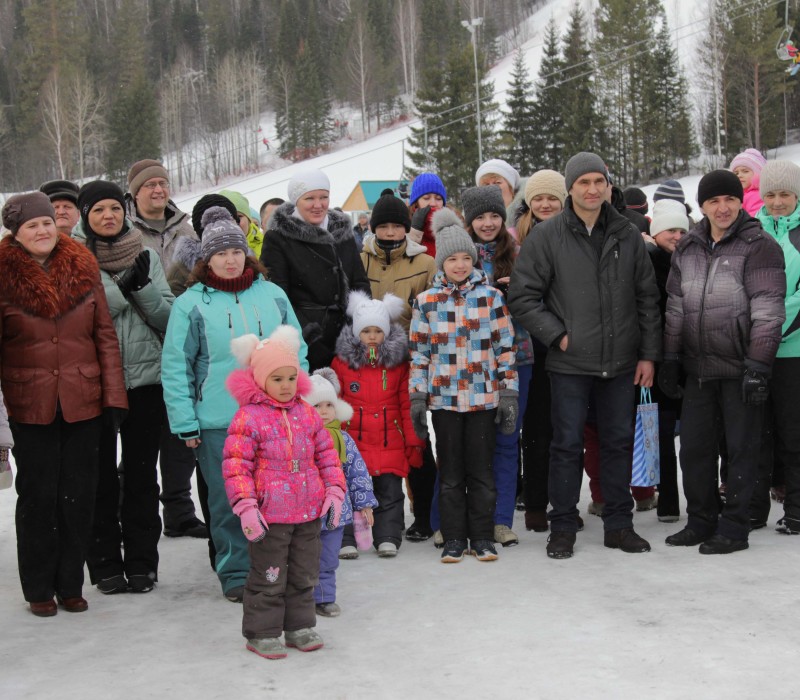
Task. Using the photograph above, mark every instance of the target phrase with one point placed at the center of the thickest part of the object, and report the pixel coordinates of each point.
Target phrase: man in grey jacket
(584, 286)
(725, 310)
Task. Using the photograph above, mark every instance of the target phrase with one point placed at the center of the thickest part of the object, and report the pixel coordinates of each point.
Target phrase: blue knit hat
(427, 183)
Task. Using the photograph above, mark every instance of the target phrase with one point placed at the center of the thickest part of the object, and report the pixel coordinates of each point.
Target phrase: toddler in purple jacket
(282, 474)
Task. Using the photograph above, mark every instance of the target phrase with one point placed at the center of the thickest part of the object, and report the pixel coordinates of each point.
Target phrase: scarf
(335, 430)
(117, 253)
(237, 284)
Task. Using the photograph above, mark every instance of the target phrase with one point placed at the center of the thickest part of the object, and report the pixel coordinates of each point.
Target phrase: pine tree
(515, 138)
(548, 115)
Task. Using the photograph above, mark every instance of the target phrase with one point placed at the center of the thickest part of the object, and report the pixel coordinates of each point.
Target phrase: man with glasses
(162, 224)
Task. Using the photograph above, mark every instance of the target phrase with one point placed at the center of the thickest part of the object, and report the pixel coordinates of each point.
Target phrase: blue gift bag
(646, 469)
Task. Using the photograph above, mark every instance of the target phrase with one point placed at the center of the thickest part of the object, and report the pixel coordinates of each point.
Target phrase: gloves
(414, 456)
(755, 387)
(332, 508)
(508, 411)
(418, 220)
(419, 414)
(668, 374)
(253, 525)
(137, 275)
(114, 417)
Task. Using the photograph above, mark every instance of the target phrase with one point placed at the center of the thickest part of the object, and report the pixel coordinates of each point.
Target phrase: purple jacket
(278, 453)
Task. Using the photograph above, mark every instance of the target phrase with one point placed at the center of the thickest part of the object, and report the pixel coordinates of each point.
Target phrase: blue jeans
(614, 401)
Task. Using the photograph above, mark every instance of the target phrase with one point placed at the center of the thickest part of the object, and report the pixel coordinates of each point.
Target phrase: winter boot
(387, 550)
(438, 539)
(348, 552)
(536, 520)
(686, 538)
(561, 544)
(788, 526)
(596, 508)
(627, 540)
(269, 648)
(74, 605)
(112, 585)
(305, 639)
(719, 544)
(647, 503)
(141, 583)
(46, 609)
(328, 609)
(505, 536)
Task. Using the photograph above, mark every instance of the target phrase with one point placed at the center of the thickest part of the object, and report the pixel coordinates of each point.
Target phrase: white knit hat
(367, 312)
(668, 214)
(496, 166)
(307, 181)
(325, 387)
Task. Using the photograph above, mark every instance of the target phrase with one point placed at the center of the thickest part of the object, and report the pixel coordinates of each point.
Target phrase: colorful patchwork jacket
(462, 345)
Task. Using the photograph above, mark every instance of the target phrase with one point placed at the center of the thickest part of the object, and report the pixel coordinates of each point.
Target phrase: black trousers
(55, 482)
(465, 445)
(138, 527)
(537, 433)
(421, 481)
(177, 465)
(704, 407)
(388, 527)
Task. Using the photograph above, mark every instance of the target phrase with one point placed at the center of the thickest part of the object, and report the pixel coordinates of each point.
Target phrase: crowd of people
(298, 360)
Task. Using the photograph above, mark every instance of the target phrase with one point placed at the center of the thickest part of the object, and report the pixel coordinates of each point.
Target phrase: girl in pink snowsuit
(747, 167)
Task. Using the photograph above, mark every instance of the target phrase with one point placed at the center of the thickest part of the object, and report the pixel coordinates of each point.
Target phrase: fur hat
(719, 183)
(141, 171)
(497, 166)
(751, 158)
(265, 356)
(23, 207)
(220, 232)
(545, 182)
(427, 183)
(670, 189)
(389, 210)
(307, 181)
(479, 200)
(367, 312)
(325, 387)
(581, 164)
(780, 175)
(61, 189)
(451, 238)
(204, 204)
(668, 214)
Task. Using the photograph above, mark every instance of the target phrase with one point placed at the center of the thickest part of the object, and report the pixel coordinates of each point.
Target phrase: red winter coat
(381, 422)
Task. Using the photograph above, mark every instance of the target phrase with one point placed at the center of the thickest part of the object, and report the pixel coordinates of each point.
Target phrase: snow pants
(330, 544)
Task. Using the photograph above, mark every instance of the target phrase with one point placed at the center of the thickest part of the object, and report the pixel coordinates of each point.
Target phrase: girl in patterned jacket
(463, 368)
(282, 474)
(359, 501)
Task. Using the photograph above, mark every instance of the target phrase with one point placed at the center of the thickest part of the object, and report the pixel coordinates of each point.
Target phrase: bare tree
(85, 122)
(406, 21)
(55, 119)
(359, 65)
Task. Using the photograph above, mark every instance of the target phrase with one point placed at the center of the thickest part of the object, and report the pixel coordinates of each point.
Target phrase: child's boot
(305, 639)
(328, 609)
(269, 648)
(505, 536)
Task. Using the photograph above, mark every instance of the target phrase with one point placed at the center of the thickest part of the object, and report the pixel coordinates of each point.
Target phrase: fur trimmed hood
(241, 384)
(340, 227)
(50, 292)
(187, 252)
(393, 352)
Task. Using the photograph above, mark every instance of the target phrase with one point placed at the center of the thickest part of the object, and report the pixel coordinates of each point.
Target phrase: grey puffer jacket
(179, 225)
(606, 305)
(725, 307)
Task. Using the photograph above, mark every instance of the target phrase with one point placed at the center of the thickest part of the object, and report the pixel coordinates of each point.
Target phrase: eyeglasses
(163, 184)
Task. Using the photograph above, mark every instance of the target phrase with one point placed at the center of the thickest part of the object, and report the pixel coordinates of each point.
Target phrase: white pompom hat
(325, 387)
(373, 312)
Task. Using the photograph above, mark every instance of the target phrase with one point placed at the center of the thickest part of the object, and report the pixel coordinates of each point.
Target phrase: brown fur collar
(49, 292)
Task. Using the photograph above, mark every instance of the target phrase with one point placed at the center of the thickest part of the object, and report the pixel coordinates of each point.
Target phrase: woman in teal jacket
(229, 296)
(123, 551)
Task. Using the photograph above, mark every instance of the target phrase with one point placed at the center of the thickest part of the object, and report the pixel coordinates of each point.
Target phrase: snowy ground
(668, 624)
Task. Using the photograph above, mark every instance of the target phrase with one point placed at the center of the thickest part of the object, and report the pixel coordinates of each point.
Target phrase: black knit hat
(206, 202)
(93, 192)
(719, 183)
(390, 210)
(636, 199)
(61, 189)
(480, 200)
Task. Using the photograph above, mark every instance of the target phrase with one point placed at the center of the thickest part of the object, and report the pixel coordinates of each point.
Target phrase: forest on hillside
(89, 86)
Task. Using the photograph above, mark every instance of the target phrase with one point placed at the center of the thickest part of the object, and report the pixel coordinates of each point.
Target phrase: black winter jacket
(316, 268)
(607, 306)
(725, 304)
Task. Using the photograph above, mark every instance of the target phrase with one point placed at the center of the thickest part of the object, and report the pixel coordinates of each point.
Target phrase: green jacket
(139, 341)
(786, 230)
(197, 356)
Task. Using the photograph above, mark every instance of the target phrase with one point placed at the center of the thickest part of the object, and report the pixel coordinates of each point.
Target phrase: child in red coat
(372, 365)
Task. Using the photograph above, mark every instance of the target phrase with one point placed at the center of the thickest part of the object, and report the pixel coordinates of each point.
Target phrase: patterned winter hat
(307, 181)
(497, 166)
(220, 232)
(751, 158)
(636, 199)
(265, 356)
(367, 312)
(451, 238)
(325, 387)
(780, 175)
(670, 189)
(545, 182)
(427, 183)
(480, 200)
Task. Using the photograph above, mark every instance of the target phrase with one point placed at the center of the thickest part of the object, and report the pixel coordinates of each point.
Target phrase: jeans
(614, 401)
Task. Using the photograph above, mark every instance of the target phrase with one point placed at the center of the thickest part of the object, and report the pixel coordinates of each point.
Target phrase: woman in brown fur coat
(61, 370)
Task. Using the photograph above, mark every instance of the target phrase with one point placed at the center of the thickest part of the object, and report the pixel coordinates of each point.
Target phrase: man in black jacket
(584, 286)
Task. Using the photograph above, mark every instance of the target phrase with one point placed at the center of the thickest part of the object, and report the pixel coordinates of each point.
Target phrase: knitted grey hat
(479, 200)
(451, 238)
(669, 189)
(220, 232)
(581, 164)
(780, 175)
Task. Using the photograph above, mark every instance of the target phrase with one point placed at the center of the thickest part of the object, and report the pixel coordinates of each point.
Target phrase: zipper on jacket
(258, 318)
(706, 289)
(360, 420)
(384, 381)
(385, 427)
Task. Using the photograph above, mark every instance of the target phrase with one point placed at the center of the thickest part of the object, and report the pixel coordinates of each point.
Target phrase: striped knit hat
(670, 189)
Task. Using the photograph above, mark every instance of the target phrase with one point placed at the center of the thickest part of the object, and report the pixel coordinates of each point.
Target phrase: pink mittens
(253, 525)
